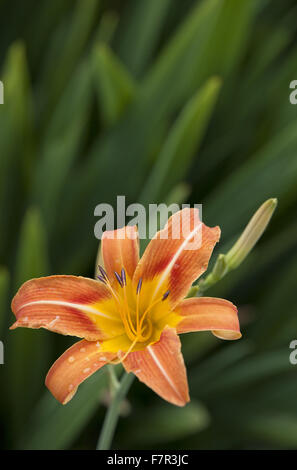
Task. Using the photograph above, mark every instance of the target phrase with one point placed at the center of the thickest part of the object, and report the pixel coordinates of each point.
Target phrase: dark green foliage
(157, 100)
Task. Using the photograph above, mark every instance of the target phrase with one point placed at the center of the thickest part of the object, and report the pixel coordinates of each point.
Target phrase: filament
(136, 330)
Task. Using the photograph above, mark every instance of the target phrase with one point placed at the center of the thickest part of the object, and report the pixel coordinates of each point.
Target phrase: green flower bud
(251, 234)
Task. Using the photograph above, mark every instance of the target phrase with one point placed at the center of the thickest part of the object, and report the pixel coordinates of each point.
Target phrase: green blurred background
(161, 101)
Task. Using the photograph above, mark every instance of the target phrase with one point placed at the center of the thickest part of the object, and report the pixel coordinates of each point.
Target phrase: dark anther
(123, 277)
(101, 278)
(119, 279)
(103, 272)
(166, 295)
(139, 286)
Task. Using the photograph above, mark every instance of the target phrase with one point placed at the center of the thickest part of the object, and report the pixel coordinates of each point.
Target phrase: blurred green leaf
(246, 242)
(62, 142)
(227, 44)
(204, 45)
(28, 349)
(185, 136)
(273, 250)
(279, 297)
(167, 83)
(173, 78)
(157, 97)
(16, 135)
(276, 428)
(136, 54)
(43, 18)
(272, 170)
(107, 27)
(195, 346)
(4, 290)
(179, 194)
(64, 51)
(265, 53)
(114, 84)
(16, 113)
(54, 426)
(32, 256)
(209, 370)
(248, 372)
(167, 423)
(60, 158)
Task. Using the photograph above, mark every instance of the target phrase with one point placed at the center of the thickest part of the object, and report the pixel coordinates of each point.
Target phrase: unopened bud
(251, 234)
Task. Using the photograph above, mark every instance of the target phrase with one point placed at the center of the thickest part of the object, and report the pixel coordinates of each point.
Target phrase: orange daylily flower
(135, 310)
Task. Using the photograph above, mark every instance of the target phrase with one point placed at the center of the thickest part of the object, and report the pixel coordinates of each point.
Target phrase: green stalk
(112, 415)
(113, 380)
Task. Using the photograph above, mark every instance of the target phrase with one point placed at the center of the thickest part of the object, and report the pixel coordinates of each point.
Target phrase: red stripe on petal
(207, 313)
(177, 255)
(64, 304)
(59, 319)
(74, 366)
(74, 289)
(161, 367)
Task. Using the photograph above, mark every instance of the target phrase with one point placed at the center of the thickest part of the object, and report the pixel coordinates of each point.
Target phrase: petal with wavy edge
(208, 313)
(74, 366)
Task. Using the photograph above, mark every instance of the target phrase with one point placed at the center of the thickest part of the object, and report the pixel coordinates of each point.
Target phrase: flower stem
(112, 414)
(113, 380)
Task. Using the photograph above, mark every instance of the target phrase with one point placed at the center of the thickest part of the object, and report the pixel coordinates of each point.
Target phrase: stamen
(147, 335)
(123, 277)
(138, 289)
(119, 279)
(121, 359)
(165, 295)
(137, 303)
(137, 326)
(123, 309)
(103, 272)
(151, 306)
(126, 304)
(101, 278)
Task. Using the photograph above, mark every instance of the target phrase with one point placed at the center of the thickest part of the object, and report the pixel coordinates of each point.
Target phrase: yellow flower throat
(138, 325)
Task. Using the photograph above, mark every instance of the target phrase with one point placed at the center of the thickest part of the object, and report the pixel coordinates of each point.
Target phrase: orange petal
(161, 367)
(177, 255)
(120, 249)
(207, 313)
(74, 366)
(68, 305)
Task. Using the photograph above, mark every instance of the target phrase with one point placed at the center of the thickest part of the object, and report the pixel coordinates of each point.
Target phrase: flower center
(138, 325)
